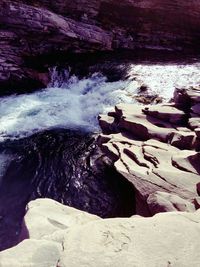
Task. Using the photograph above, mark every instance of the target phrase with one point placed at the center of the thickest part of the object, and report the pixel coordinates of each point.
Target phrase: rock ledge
(156, 148)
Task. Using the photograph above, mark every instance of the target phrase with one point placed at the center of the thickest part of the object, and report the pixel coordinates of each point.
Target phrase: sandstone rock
(165, 202)
(110, 149)
(40, 31)
(194, 122)
(187, 161)
(165, 112)
(159, 154)
(132, 119)
(159, 241)
(162, 240)
(45, 217)
(31, 29)
(182, 140)
(31, 252)
(197, 131)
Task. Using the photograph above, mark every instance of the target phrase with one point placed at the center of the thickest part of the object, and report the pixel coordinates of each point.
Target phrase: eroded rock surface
(67, 237)
(30, 29)
(156, 148)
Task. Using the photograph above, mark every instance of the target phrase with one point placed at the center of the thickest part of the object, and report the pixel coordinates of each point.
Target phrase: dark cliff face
(32, 28)
(165, 23)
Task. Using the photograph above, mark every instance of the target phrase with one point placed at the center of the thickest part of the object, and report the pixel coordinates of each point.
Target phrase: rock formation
(30, 29)
(156, 148)
(65, 237)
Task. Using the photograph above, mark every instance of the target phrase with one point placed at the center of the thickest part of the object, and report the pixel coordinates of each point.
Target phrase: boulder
(44, 218)
(166, 239)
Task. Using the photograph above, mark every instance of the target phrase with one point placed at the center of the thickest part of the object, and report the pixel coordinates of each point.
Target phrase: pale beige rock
(166, 159)
(166, 112)
(32, 253)
(45, 217)
(122, 137)
(194, 122)
(166, 239)
(132, 119)
(182, 139)
(187, 160)
(169, 239)
(150, 168)
(165, 202)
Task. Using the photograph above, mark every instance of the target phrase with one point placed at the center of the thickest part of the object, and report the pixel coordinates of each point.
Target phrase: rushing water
(48, 147)
(74, 103)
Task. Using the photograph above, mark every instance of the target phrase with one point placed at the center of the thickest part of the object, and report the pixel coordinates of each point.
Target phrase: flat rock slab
(164, 157)
(166, 239)
(166, 112)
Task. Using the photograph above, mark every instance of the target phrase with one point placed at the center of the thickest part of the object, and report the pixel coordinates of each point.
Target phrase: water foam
(163, 79)
(72, 103)
(75, 104)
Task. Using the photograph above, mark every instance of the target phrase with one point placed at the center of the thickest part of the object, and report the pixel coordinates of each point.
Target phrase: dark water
(63, 165)
(67, 165)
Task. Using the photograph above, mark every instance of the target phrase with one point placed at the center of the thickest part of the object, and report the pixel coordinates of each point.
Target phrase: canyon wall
(32, 28)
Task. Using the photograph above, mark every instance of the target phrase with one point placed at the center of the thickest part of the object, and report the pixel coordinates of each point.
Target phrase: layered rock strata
(156, 148)
(57, 235)
(29, 29)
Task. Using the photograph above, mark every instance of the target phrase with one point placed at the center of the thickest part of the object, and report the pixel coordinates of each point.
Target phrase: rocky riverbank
(32, 29)
(156, 148)
(65, 237)
(145, 164)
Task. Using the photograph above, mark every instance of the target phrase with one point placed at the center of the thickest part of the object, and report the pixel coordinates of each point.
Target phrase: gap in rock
(63, 165)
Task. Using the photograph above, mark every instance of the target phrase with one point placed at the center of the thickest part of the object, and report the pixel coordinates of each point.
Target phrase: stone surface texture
(66, 237)
(33, 28)
(156, 148)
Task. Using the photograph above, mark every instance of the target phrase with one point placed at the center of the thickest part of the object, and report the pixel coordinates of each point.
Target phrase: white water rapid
(73, 103)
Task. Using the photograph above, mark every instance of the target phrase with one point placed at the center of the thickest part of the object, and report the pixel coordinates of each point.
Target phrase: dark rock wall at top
(34, 27)
(166, 23)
